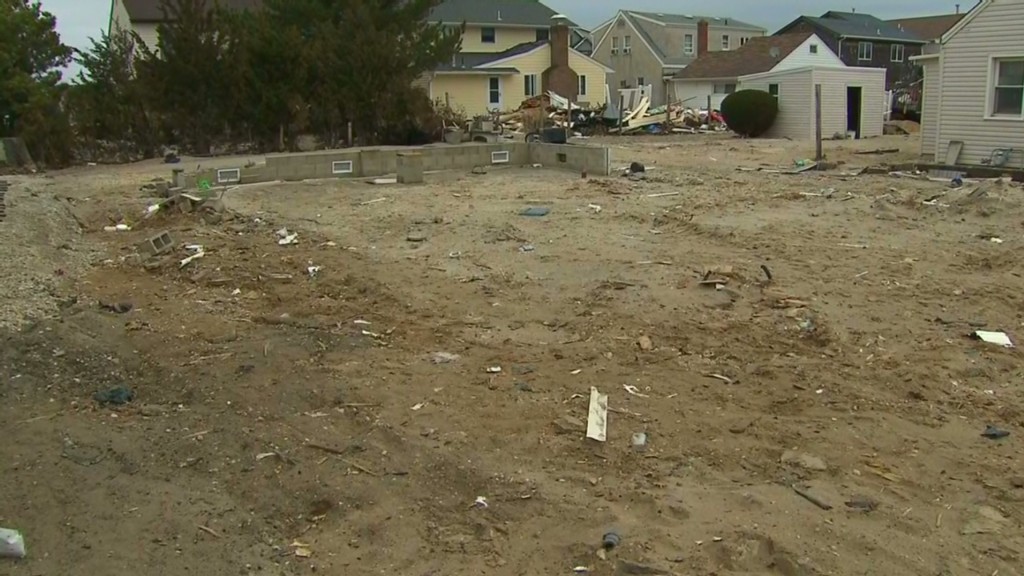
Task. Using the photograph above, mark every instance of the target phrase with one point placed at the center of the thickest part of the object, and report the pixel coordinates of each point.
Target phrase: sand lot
(291, 414)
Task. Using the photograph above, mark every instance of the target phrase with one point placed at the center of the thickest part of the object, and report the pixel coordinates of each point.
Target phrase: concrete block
(156, 245)
(409, 168)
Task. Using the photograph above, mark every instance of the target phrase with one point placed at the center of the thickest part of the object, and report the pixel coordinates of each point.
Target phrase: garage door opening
(854, 96)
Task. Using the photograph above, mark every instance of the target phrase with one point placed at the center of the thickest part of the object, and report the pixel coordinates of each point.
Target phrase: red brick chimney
(702, 38)
(559, 77)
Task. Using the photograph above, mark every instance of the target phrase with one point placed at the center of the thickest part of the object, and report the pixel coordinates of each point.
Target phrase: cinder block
(156, 245)
(410, 167)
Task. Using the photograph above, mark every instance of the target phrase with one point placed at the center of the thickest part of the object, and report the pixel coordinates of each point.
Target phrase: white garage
(853, 100)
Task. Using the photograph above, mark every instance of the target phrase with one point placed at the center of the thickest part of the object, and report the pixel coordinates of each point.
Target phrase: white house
(716, 74)
(973, 97)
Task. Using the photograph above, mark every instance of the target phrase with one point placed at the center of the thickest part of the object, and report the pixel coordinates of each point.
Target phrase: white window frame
(990, 97)
(860, 51)
(812, 49)
(776, 90)
(743, 40)
(725, 41)
(229, 175)
(615, 44)
(494, 35)
(341, 167)
(723, 88)
(627, 44)
(500, 157)
(688, 41)
(897, 53)
(581, 85)
(530, 86)
(640, 82)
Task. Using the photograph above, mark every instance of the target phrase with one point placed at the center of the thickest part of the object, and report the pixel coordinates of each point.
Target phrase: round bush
(750, 112)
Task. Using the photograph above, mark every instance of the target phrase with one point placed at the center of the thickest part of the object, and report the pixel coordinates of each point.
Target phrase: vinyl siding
(930, 107)
(504, 38)
(802, 57)
(466, 93)
(833, 99)
(694, 94)
(148, 33)
(119, 18)
(796, 103)
(966, 58)
(639, 63)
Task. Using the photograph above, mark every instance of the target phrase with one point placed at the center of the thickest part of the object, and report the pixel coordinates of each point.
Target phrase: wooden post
(622, 102)
(350, 134)
(818, 156)
(668, 109)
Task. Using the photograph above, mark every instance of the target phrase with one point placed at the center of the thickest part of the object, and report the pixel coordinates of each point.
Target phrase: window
(743, 40)
(530, 85)
(543, 34)
(864, 50)
(494, 91)
(813, 48)
(487, 35)
(640, 82)
(773, 89)
(725, 41)
(583, 86)
(1008, 87)
(725, 88)
(626, 41)
(896, 53)
(623, 84)
(615, 44)
(688, 44)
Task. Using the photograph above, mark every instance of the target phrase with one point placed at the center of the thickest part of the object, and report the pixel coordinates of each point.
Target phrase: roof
(971, 15)
(928, 27)
(862, 26)
(691, 20)
(470, 60)
(151, 11)
(497, 12)
(646, 23)
(759, 54)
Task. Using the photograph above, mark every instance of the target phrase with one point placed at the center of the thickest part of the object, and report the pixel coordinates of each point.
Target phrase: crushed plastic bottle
(12, 544)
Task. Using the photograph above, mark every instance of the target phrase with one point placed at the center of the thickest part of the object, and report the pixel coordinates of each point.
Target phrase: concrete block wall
(375, 162)
(595, 160)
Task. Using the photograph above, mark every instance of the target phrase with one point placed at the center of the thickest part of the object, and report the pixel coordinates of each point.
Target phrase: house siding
(930, 107)
(504, 38)
(469, 92)
(147, 32)
(641, 62)
(801, 57)
(996, 30)
(796, 103)
(119, 19)
(833, 100)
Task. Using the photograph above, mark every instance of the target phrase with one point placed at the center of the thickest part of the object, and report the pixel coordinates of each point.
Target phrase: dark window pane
(543, 34)
(1011, 73)
(1009, 101)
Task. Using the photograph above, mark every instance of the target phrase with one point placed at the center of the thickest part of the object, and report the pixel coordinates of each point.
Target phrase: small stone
(645, 343)
(862, 503)
(569, 425)
(1017, 481)
(416, 237)
(805, 461)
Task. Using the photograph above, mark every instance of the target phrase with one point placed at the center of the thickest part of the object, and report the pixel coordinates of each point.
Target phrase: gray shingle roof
(851, 25)
(693, 19)
(151, 11)
(470, 60)
(497, 12)
(678, 59)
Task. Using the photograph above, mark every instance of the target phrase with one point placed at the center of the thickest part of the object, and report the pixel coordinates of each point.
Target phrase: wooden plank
(953, 152)
(597, 416)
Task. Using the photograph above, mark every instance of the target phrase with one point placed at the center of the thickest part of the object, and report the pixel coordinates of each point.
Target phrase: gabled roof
(645, 23)
(928, 27)
(759, 54)
(476, 61)
(859, 26)
(971, 15)
(151, 11)
(495, 12)
(691, 20)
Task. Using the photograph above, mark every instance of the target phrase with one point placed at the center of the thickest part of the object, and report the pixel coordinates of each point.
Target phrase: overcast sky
(77, 20)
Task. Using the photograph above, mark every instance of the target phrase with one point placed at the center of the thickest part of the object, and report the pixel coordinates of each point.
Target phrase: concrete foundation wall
(374, 162)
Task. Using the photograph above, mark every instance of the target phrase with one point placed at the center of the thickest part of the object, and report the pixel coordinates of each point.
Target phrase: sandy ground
(289, 423)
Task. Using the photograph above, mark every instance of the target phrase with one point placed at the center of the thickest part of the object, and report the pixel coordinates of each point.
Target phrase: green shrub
(750, 112)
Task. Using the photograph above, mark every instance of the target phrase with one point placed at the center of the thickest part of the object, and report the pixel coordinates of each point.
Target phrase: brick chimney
(702, 38)
(559, 77)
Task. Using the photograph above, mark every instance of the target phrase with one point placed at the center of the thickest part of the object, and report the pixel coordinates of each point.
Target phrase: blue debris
(536, 211)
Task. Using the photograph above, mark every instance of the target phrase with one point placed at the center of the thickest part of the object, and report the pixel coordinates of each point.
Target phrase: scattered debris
(285, 237)
(189, 259)
(416, 237)
(301, 550)
(645, 343)
(767, 272)
(12, 544)
(805, 461)
(480, 502)
(117, 396)
(374, 201)
(535, 211)
(417, 407)
(526, 248)
(118, 228)
(803, 493)
(879, 151)
(610, 540)
(999, 338)
(494, 370)
(639, 441)
(597, 416)
(444, 358)
(725, 379)
(116, 307)
(313, 270)
(595, 207)
(862, 503)
(634, 390)
(993, 433)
